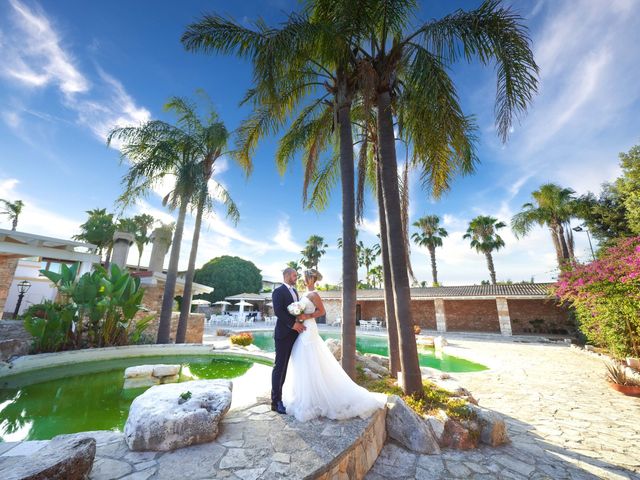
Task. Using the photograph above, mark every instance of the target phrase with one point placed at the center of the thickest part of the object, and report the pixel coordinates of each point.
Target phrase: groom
(285, 334)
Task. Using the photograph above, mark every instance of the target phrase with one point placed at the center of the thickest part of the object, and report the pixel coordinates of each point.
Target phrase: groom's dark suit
(284, 336)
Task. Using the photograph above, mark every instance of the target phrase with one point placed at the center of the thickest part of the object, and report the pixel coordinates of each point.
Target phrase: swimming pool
(428, 357)
(89, 396)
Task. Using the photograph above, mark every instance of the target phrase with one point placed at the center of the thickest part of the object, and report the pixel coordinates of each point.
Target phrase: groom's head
(289, 275)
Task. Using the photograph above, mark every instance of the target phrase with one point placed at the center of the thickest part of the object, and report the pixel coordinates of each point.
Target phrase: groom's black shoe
(278, 407)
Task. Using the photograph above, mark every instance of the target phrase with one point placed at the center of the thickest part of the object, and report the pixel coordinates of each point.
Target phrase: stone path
(253, 443)
(565, 422)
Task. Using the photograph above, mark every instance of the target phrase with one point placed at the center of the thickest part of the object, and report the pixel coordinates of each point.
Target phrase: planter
(630, 390)
(633, 363)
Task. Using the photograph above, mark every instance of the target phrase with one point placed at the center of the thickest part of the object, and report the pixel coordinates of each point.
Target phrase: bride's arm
(320, 311)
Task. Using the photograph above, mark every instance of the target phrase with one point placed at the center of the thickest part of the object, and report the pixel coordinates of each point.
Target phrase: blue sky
(71, 70)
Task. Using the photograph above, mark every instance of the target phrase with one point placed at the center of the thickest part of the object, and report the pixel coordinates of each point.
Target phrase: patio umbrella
(223, 303)
(200, 301)
(243, 304)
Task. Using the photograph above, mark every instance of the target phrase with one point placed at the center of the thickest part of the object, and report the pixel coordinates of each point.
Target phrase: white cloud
(283, 240)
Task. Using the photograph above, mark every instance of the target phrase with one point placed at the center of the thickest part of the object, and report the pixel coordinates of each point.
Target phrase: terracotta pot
(633, 363)
(631, 390)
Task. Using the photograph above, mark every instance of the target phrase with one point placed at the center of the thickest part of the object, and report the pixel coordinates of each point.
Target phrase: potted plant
(617, 377)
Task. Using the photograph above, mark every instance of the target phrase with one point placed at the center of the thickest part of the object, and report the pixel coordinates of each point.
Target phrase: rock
(457, 436)
(451, 386)
(408, 428)
(370, 374)
(372, 365)
(335, 346)
(590, 348)
(140, 382)
(139, 371)
(437, 424)
(158, 422)
(170, 379)
(493, 430)
(13, 348)
(165, 370)
(379, 359)
(440, 342)
(426, 342)
(61, 459)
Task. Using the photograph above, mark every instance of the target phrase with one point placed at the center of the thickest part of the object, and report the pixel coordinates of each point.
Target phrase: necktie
(294, 294)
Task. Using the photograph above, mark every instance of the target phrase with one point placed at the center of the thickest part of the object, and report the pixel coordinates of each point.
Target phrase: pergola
(15, 245)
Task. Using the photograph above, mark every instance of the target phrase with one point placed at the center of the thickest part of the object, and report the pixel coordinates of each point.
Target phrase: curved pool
(428, 357)
(89, 396)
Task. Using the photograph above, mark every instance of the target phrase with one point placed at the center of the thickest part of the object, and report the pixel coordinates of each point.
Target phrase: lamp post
(23, 287)
(580, 229)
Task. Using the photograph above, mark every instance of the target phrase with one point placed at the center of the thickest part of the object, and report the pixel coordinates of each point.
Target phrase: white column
(441, 318)
(85, 267)
(503, 316)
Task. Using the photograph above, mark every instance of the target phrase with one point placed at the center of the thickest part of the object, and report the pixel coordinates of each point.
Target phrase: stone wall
(7, 270)
(333, 309)
(472, 315)
(372, 308)
(540, 316)
(424, 313)
(14, 339)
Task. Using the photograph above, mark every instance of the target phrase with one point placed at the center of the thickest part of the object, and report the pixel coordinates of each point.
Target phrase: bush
(606, 297)
(98, 309)
(242, 339)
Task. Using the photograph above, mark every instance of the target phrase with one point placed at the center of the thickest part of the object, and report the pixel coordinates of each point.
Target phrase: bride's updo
(312, 273)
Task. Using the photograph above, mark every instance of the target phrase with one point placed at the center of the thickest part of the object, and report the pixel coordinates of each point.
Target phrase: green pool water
(89, 396)
(375, 344)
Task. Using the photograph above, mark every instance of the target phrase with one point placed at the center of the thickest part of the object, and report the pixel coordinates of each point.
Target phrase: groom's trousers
(283, 352)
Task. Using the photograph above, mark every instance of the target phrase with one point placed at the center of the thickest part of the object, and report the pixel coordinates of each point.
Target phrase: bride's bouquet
(297, 308)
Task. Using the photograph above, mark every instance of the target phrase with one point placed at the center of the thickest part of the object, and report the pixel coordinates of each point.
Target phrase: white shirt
(293, 293)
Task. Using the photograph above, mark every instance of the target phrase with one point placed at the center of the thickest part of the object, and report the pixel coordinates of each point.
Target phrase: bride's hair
(312, 273)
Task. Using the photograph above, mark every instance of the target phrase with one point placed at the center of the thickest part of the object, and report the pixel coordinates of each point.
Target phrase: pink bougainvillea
(606, 296)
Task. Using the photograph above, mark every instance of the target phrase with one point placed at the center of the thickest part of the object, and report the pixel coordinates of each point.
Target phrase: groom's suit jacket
(281, 299)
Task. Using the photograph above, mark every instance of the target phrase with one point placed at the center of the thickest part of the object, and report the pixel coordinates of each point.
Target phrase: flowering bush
(242, 339)
(606, 297)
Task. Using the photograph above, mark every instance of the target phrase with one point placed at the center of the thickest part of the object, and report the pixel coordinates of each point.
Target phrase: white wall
(41, 288)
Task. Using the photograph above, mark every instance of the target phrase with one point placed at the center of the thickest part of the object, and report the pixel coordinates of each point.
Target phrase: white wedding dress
(317, 386)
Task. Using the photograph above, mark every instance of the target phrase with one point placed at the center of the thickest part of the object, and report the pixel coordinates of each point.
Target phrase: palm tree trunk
(434, 270)
(492, 270)
(14, 224)
(556, 244)
(412, 377)
(185, 308)
(107, 262)
(563, 242)
(570, 242)
(349, 259)
(164, 328)
(389, 308)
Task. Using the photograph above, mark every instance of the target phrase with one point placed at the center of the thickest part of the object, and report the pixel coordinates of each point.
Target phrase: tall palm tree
(157, 149)
(206, 138)
(409, 76)
(367, 256)
(313, 251)
(552, 206)
(13, 211)
(484, 238)
(98, 230)
(430, 236)
(307, 60)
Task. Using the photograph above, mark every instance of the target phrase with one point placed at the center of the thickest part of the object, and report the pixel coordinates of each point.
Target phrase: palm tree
(430, 236)
(377, 276)
(13, 211)
(484, 238)
(144, 223)
(291, 65)
(157, 149)
(206, 138)
(552, 206)
(313, 251)
(366, 257)
(98, 230)
(409, 76)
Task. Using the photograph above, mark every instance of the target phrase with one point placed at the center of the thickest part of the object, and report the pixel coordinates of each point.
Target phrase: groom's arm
(280, 309)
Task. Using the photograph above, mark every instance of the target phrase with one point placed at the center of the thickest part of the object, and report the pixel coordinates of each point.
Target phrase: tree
(629, 187)
(206, 139)
(229, 276)
(144, 223)
(552, 206)
(313, 251)
(290, 63)
(366, 257)
(13, 211)
(605, 216)
(430, 236)
(377, 276)
(98, 230)
(157, 149)
(484, 238)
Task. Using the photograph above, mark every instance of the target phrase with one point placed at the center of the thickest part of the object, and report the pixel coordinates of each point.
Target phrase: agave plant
(616, 373)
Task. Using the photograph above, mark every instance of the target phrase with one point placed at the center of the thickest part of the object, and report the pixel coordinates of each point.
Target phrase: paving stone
(141, 475)
(194, 462)
(107, 468)
(144, 465)
(249, 473)
(281, 457)
(235, 457)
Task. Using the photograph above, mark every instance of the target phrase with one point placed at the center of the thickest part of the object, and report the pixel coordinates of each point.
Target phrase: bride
(316, 385)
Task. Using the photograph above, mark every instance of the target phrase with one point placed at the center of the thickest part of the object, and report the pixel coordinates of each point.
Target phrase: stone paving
(565, 422)
(254, 443)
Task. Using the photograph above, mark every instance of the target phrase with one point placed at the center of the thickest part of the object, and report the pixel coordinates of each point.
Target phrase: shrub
(99, 309)
(417, 329)
(606, 297)
(242, 339)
